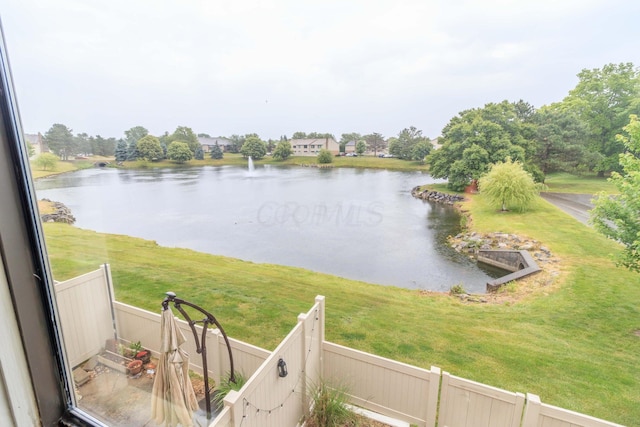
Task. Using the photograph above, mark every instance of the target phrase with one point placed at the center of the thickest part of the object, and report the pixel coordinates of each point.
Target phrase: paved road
(576, 205)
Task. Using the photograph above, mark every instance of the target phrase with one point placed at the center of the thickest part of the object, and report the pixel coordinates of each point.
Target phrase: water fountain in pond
(250, 166)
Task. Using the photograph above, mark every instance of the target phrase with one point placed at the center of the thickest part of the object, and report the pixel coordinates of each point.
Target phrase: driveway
(576, 205)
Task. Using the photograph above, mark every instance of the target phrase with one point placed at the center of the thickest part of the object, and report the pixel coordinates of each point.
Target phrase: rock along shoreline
(436, 196)
(61, 213)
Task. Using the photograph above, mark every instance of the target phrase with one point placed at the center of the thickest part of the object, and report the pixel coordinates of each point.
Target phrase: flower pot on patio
(144, 356)
(134, 367)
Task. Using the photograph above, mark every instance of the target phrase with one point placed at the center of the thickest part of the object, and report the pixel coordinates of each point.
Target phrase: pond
(356, 223)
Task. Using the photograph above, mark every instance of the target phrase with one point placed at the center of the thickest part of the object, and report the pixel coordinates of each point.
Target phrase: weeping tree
(618, 217)
(507, 184)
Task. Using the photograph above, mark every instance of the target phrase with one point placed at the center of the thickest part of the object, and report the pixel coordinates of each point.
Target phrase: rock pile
(436, 196)
(61, 213)
(469, 243)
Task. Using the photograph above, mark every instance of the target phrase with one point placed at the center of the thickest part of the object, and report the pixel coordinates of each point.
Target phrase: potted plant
(134, 367)
(144, 356)
(224, 388)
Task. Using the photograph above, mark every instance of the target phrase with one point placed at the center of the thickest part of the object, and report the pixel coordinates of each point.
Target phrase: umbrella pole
(201, 344)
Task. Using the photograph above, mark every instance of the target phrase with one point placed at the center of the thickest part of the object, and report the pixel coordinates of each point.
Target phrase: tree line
(577, 134)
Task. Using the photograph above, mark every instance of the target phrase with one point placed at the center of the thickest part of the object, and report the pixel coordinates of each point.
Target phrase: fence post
(531, 411)
(434, 392)
(320, 302)
(518, 412)
(303, 374)
(106, 270)
(231, 400)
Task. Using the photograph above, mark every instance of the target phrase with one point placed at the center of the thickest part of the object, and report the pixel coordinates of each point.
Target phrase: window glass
(144, 162)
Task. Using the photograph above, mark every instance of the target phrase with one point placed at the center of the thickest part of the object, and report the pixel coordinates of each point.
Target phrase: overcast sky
(276, 67)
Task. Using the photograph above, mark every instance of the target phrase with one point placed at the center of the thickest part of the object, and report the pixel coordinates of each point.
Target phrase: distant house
(311, 147)
(37, 142)
(350, 147)
(208, 143)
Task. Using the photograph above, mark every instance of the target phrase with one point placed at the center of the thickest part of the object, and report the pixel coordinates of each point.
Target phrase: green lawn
(61, 167)
(574, 342)
(587, 184)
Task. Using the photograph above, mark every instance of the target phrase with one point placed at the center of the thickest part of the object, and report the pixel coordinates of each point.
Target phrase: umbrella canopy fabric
(173, 399)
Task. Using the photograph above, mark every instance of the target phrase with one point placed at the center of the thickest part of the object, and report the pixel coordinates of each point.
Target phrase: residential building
(208, 143)
(37, 142)
(350, 147)
(311, 147)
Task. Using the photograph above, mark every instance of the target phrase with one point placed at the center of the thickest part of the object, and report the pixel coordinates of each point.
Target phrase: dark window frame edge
(27, 270)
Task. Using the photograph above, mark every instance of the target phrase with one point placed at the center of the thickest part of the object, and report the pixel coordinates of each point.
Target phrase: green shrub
(457, 289)
(324, 156)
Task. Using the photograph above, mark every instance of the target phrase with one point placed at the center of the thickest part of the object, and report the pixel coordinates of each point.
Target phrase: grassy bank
(369, 162)
(586, 184)
(63, 167)
(574, 342)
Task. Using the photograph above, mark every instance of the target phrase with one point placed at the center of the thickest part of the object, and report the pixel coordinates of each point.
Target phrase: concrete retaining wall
(520, 263)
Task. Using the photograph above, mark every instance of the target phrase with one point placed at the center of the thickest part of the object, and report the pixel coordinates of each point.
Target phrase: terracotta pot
(134, 367)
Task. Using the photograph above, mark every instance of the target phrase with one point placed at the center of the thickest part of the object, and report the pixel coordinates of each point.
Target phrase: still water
(354, 223)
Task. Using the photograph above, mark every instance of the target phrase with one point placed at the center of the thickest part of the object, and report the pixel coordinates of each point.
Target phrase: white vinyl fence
(84, 308)
(425, 398)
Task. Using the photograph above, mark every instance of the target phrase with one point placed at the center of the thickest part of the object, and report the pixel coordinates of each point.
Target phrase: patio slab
(122, 401)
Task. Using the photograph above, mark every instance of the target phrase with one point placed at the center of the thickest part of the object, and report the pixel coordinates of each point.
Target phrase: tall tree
(299, 135)
(271, 145)
(149, 148)
(134, 134)
(604, 98)
(254, 147)
(560, 141)
(103, 147)
(283, 150)
(179, 152)
(132, 151)
(199, 154)
(618, 217)
(475, 138)
(361, 147)
(216, 152)
(60, 140)
(403, 146)
(236, 143)
(185, 134)
(421, 150)
(320, 135)
(83, 143)
(375, 142)
(121, 152)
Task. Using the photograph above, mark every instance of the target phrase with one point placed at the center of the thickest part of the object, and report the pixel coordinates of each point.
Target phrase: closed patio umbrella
(173, 399)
